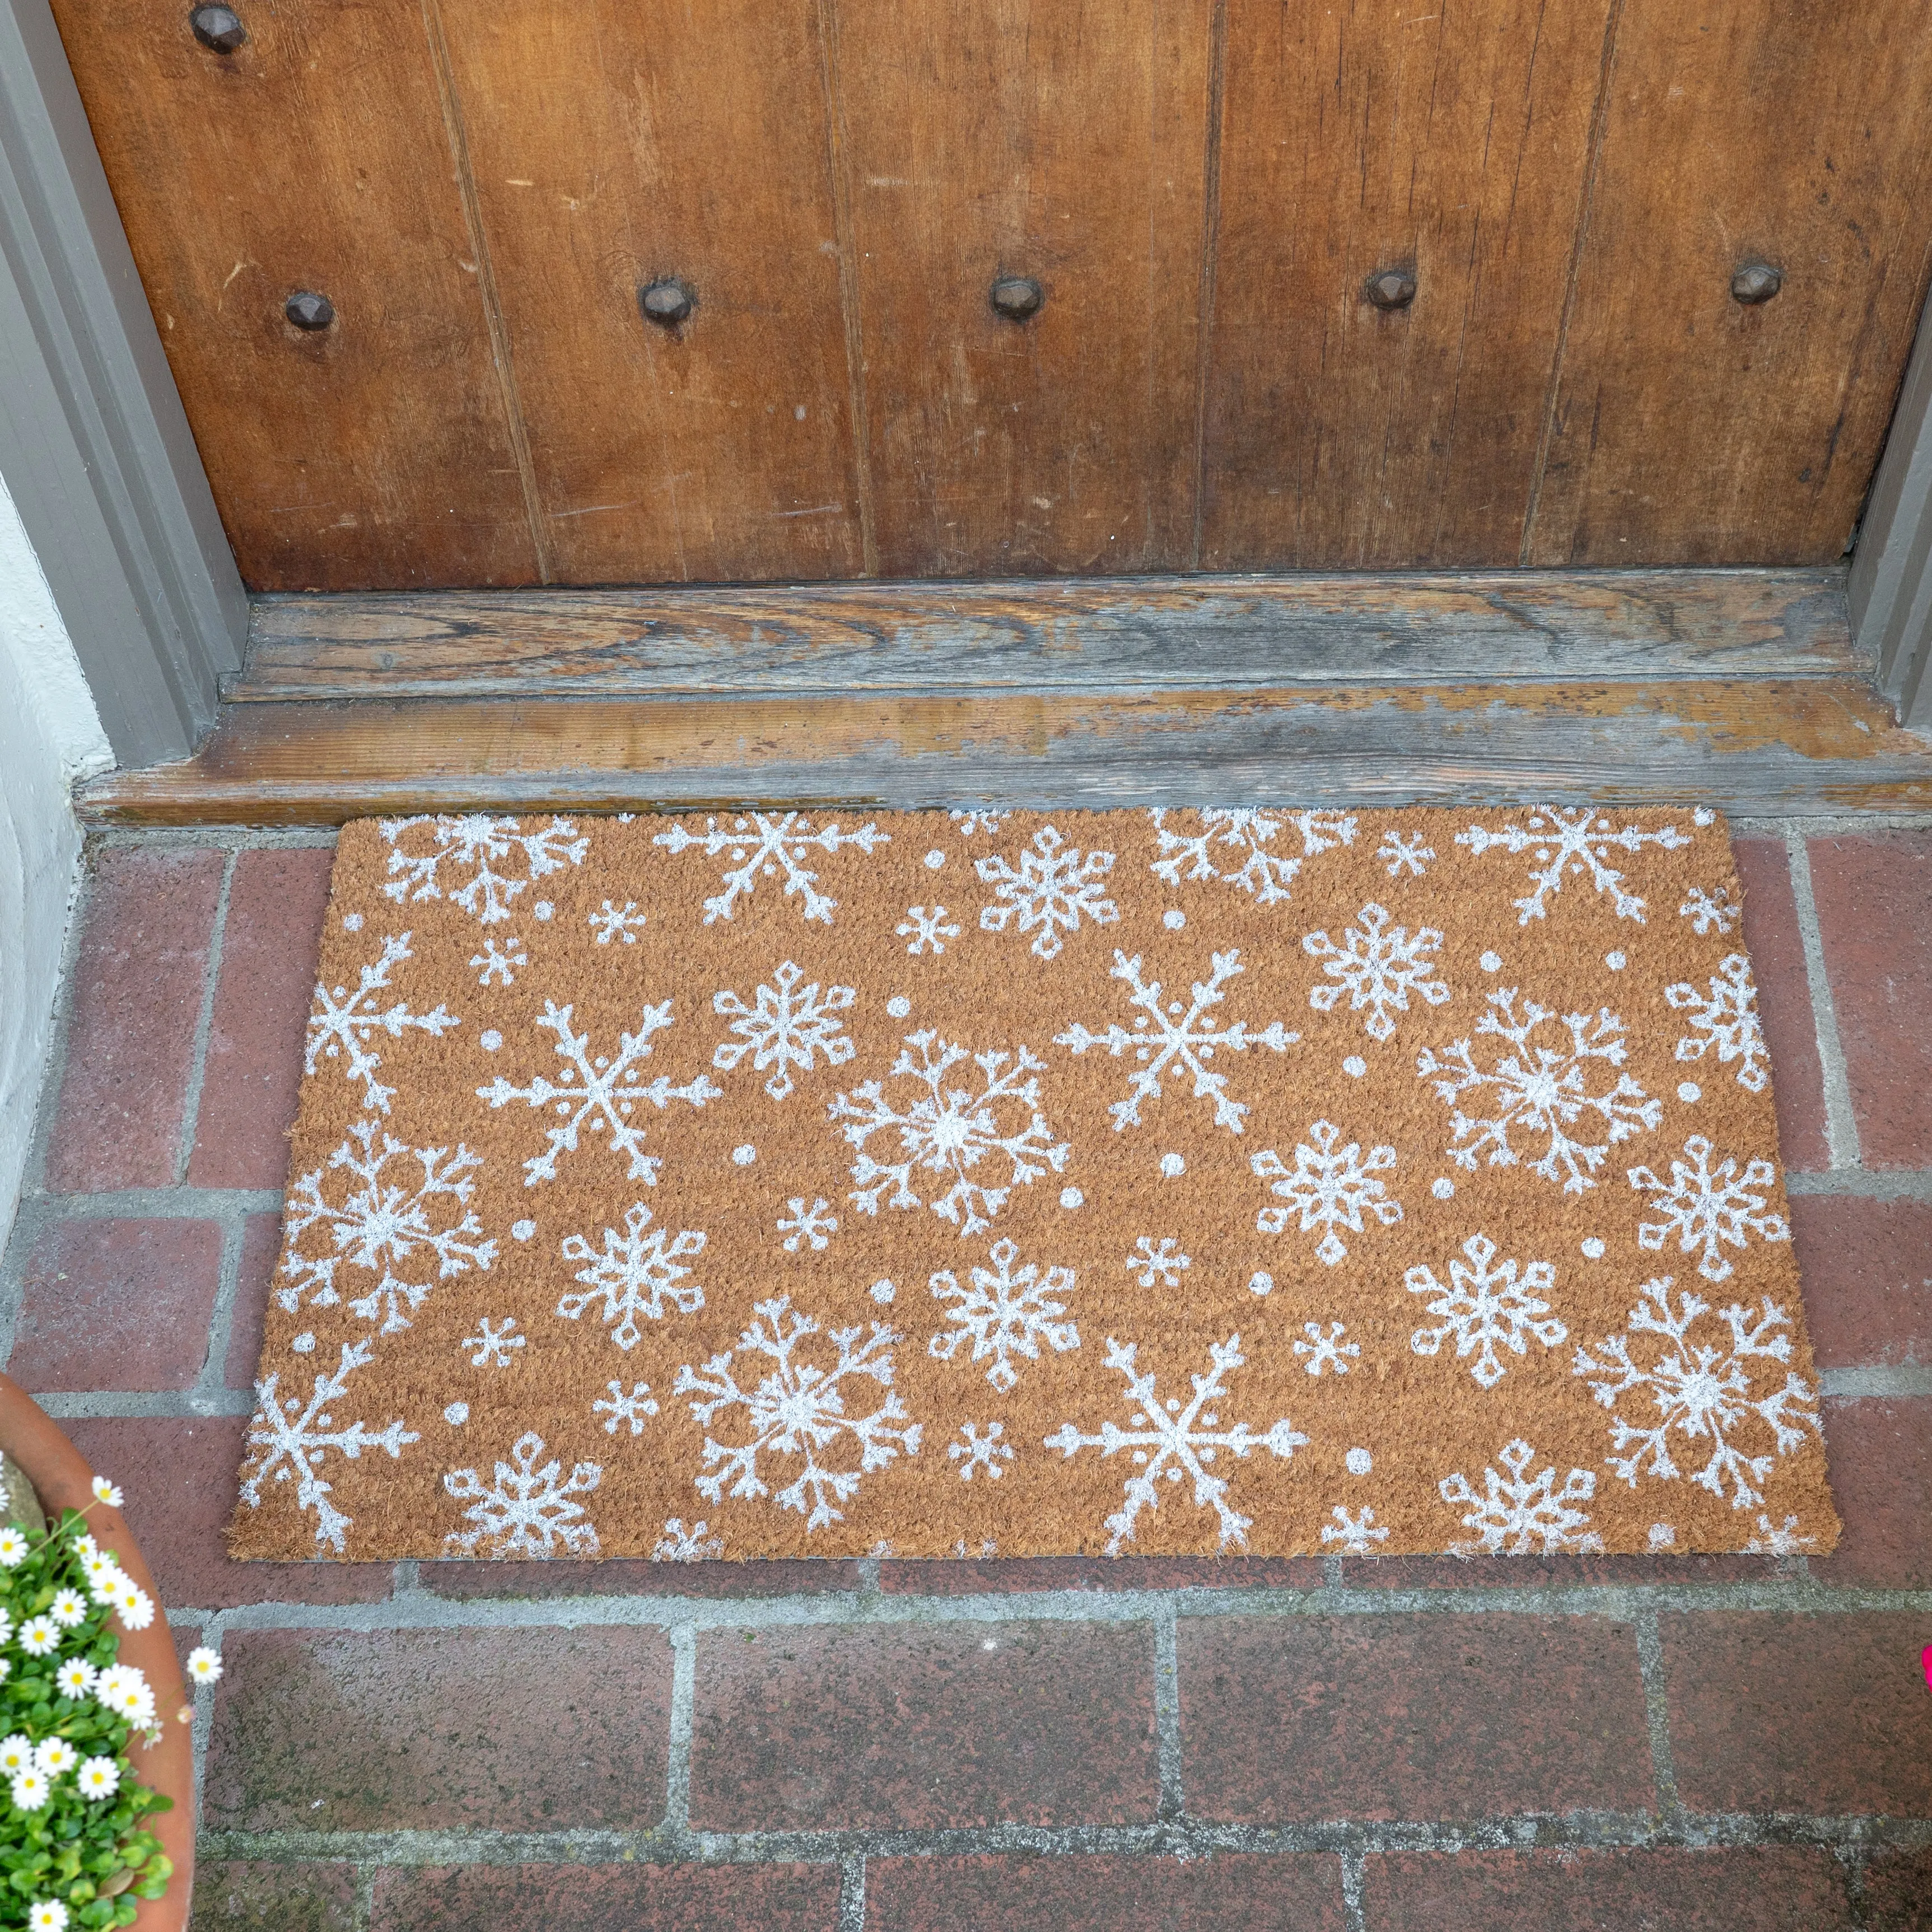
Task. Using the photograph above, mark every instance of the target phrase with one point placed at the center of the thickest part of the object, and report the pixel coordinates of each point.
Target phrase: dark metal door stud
(1391, 288)
(218, 28)
(1016, 297)
(308, 311)
(1756, 282)
(667, 303)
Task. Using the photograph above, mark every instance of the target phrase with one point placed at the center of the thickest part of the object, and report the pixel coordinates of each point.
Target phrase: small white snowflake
(1263, 873)
(1357, 1534)
(497, 960)
(623, 922)
(1486, 1305)
(1325, 1352)
(1404, 852)
(1163, 1262)
(976, 1451)
(1782, 1540)
(1708, 1208)
(1181, 1037)
(924, 926)
(530, 1509)
(1330, 1186)
(812, 1225)
(1728, 1021)
(491, 1346)
(786, 1026)
(765, 845)
(1706, 913)
(1378, 969)
(679, 1545)
(479, 842)
(343, 1023)
(1006, 1311)
(1577, 841)
(621, 1408)
(636, 1275)
(1050, 889)
(1520, 1514)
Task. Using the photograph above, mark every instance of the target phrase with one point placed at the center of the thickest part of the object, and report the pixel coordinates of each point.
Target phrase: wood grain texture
(1371, 134)
(1175, 633)
(1688, 428)
(616, 142)
(1060, 139)
(377, 452)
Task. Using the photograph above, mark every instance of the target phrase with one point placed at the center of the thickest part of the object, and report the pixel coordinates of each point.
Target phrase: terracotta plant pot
(62, 1480)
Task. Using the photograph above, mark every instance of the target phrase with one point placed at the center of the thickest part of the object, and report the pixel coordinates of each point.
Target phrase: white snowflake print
(1783, 1540)
(1378, 969)
(924, 926)
(1404, 853)
(1181, 1037)
(1325, 1352)
(1708, 912)
(620, 1408)
(679, 1545)
(787, 1026)
(1050, 890)
(1705, 1383)
(800, 1409)
(636, 1275)
(1728, 1021)
(968, 823)
(290, 1437)
(1539, 1089)
(1164, 1439)
(1263, 873)
(1007, 1310)
(529, 1511)
(764, 845)
(1520, 1514)
(948, 1130)
(623, 922)
(1577, 841)
(380, 1223)
(1357, 1534)
(1708, 1208)
(343, 1023)
(497, 960)
(812, 1225)
(975, 1451)
(1485, 1305)
(1329, 1186)
(478, 842)
(600, 1090)
(1162, 1262)
(490, 1347)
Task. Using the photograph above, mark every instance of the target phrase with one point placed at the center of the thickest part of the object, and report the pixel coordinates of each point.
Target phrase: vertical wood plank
(377, 452)
(1689, 428)
(1449, 140)
(616, 142)
(1060, 139)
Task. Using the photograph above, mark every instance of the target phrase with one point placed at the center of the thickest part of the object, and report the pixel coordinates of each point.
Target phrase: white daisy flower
(102, 1568)
(17, 1754)
(6, 1626)
(86, 1545)
(39, 1637)
(125, 1692)
(135, 1606)
(75, 1677)
(54, 1756)
(30, 1789)
(105, 1492)
(14, 1547)
(47, 1915)
(204, 1665)
(69, 1608)
(100, 1777)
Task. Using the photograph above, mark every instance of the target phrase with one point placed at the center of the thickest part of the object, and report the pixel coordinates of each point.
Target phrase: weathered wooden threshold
(1739, 687)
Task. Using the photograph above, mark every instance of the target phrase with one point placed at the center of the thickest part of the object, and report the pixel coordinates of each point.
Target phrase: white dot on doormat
(1174, 919)
(303, 1343)
(883, 1291)
(352, 922)
(1360, 1462)
(1689, 1090)
(457, 1414)
(898, 1006)
(1663, 1536)
(1442, 1189)
(1071, 1197)
(1260, 1283)
(1615, 961)
(490, 1040)
(1703, 815)
(1593, 1249)
(1355, 1067)
(1172, 1165)
(543, 909)
(743, 1156)
(522, 1230)
(934, 860)
(1491, 962)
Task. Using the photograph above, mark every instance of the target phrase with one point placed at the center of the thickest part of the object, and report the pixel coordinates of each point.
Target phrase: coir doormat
(780, 1183)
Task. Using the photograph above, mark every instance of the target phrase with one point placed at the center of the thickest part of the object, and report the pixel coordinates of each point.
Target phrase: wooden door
(1551, 198)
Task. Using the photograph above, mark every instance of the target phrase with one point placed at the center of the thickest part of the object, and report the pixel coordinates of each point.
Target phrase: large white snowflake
(798, 1407)
(1163, 1437)
(636, 1275)
(386, 1227)
(1181, 1037)
(1540, 1089)
(1483, 1306)
(290, 1437)
(787, 1025)
(1263, 872)
(942, 1129)
(479, 842)
(1727, 1019)
(765, 845)
(599, 1090)
(1007, 1310)
(1576, 841)
(343, 1023)
(1049, 890)
(529, 1511)
(1708, 1208)
(1520, 1514)
(1378, 969)
(1705, 1387)
(1329, 1186)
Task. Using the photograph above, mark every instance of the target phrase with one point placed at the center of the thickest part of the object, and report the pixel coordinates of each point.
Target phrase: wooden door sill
(1737, 687)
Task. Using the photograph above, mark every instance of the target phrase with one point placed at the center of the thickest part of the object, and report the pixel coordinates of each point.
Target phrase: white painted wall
(50, 736)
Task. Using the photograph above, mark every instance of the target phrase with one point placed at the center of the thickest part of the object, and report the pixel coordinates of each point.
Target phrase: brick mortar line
(362, 1910)
(1904, 1183)
(178, 1202)
(204, 1397)
(204, 1023)
(209, 838)
(1841, 1131)
(1352, 1912)
(212, 1382)
(852, 1892)
(683, 1709)
(1167, 1713)
(1656, 1717)
(1826, 824)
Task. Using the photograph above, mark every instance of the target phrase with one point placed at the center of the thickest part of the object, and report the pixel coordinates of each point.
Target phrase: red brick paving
(1566, 1570)
(950, 1724)
(1898, 1890)
(252, 1896)
(1879, 1451)
(507, 1730)
(608, 1898)
(1231, 1892)
(1777, 950)
(118, 1304)
(973, 1575)
(466, 1582)
(1867, 1270)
